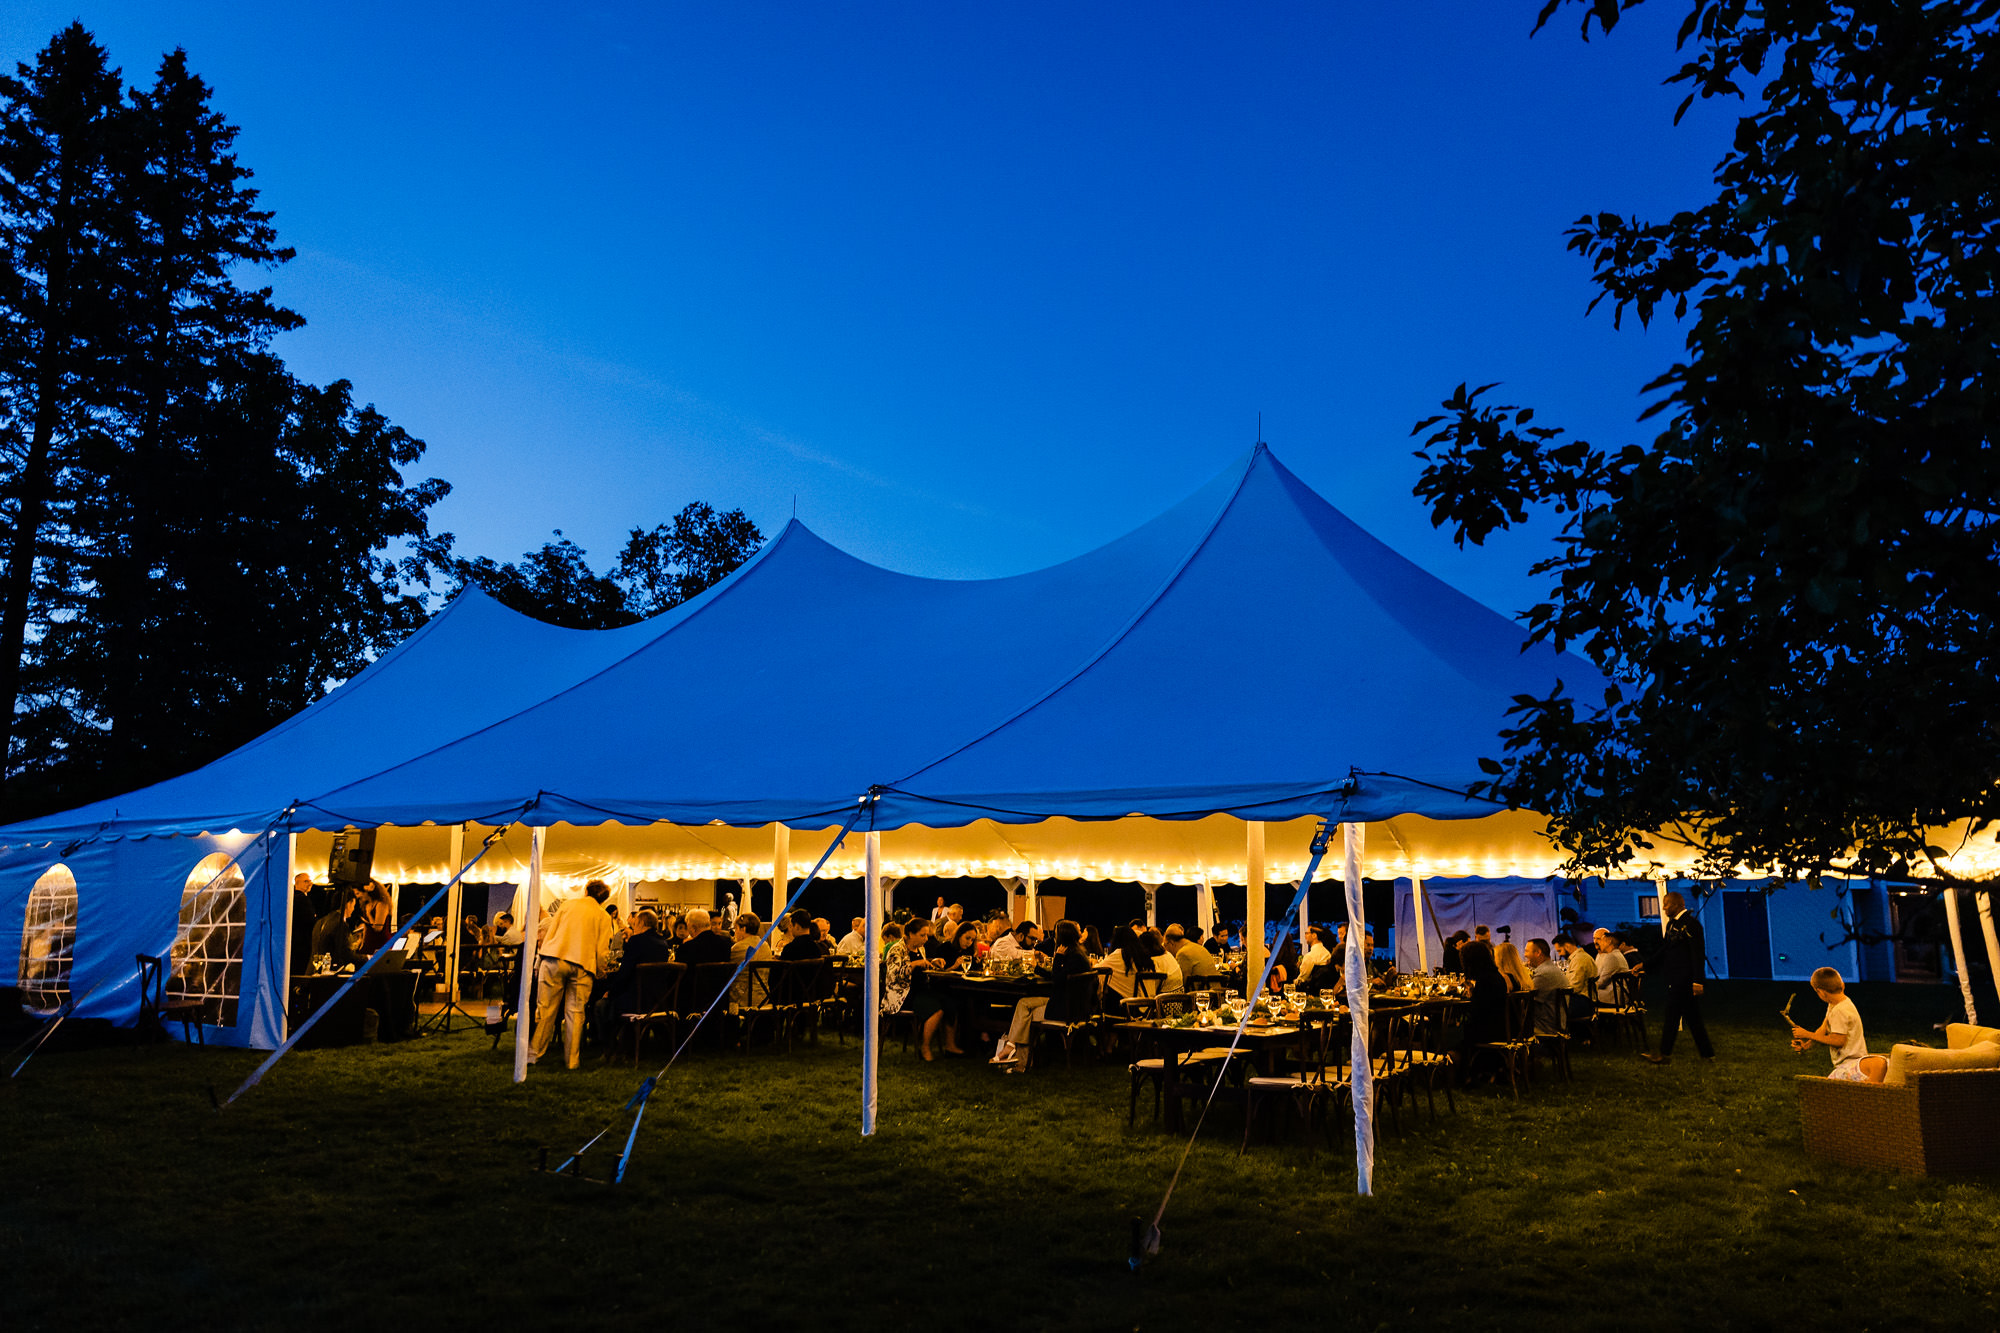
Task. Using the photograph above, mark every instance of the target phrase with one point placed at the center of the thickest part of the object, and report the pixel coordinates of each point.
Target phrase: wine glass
(1201, 1000)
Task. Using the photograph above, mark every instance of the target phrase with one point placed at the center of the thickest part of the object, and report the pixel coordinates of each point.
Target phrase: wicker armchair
(1938, 1123)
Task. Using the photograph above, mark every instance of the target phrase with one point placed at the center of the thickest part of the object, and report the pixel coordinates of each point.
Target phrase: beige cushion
(1958, 1036)
(1905, 1061)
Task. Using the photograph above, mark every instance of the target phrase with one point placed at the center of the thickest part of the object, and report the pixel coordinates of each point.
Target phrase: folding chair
(157, 1008)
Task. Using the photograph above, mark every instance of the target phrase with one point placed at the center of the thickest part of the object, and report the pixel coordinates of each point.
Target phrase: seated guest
(1481, 934)
(1319, 966)
(1610, 963)
(618, 933)
(1195, 961)
(912, 955)
(748, 931)
(643, 944)
(1508, 959)
(1631, 952)
(677, 928)
(946, 926)
(1454, 948)
(1020, 941)
(1093, 944)
(1068, 960)
(1163, 962)
(1840, 1031)
(1285, 960)
(339, 934)
(962, 951)
(702, 944)
(855, 941)
(1486, 1015)
(823, 932)
(801, 947)
(1579, 972)
(1550, 983)
(747, 934)
(900, 965)
(1126, 961)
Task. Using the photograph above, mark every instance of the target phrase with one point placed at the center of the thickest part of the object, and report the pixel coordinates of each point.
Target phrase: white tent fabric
(1516, 910)
(1252, 652)
(1250, 655)
(475, 663)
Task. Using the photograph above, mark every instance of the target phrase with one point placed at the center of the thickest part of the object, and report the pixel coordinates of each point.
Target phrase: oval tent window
(48, 941)
(208, 952)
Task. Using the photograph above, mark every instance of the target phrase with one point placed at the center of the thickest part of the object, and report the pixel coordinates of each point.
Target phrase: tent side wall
(167, 897)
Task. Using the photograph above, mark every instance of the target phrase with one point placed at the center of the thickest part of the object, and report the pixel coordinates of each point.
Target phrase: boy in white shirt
(1841, 1031)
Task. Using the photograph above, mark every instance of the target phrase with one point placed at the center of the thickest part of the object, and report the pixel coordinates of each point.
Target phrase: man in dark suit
(643, 944)
(702, 945)
(1680, 963)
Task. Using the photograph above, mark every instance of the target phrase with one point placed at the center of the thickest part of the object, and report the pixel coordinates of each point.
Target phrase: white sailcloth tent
(1182, 705)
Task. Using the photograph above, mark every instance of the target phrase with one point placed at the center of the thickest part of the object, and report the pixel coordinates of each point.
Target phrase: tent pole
(531, 916)
(1423, 935)
(291, 901)
(1361, 1067)
(1253, 911)
(871, 981)
(1958, 952)
(781, 868)
(1034, 901)
(454, 912)
(1204, 911)
(1152, 905)
(1305, 918)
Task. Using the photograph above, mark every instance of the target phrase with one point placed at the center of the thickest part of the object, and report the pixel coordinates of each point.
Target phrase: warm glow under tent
(1209, 684)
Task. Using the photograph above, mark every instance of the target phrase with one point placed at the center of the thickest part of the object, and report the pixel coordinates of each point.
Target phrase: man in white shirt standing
(574, 949)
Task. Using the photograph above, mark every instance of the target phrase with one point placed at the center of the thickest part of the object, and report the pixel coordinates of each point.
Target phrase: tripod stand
(440, 1022)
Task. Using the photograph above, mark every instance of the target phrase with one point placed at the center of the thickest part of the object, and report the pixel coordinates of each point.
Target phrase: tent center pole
(454, 914)
(1253, 906)
(871, 981)
(781, 869)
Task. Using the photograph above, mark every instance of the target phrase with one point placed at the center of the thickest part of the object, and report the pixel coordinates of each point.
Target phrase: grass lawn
(377, 1186)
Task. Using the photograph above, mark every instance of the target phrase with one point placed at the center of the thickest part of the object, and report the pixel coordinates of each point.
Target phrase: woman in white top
(1126, 960)
(1162, 962)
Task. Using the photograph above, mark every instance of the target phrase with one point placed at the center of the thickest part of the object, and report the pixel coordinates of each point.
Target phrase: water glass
(1201, 999)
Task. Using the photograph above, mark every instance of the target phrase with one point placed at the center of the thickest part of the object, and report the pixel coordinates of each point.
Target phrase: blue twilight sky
(981, 286)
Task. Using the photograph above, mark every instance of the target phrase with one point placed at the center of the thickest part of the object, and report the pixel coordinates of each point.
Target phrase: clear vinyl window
(48, 941)
(208, 953)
